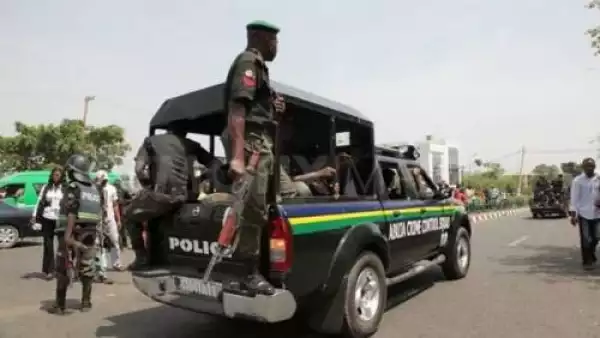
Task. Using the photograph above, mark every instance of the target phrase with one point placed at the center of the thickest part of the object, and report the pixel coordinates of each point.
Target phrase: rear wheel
(366, 296)
(458, 256)
(9, 236)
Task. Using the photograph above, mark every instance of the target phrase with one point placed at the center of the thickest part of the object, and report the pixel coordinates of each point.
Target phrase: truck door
(433, 212)
(401, 208)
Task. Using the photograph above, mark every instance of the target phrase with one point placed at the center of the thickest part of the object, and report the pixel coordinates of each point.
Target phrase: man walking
(111, 216)
(584, 212)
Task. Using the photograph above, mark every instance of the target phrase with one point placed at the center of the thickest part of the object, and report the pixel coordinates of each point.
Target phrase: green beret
(261, 25)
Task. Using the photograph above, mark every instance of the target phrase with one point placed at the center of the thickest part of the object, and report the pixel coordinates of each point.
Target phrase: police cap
(260, 25)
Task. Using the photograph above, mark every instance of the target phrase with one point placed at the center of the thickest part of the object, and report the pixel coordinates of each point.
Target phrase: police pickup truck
(331, 256)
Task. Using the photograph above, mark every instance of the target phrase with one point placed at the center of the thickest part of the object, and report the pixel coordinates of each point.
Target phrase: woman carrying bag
(46, 213)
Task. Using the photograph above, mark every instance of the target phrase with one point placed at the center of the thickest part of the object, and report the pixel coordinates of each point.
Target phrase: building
(438, 158)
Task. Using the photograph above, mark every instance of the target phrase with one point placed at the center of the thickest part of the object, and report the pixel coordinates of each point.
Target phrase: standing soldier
(251, 105)
(80, 212)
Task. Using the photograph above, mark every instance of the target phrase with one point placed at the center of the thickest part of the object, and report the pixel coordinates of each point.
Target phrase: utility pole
(521, 169)
(86, 107)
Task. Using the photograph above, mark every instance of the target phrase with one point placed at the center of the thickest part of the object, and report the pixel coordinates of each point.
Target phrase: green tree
(493, 175)
(594, 33)
(570, 169)
(46, 145)
(493, 170)
(547, 170)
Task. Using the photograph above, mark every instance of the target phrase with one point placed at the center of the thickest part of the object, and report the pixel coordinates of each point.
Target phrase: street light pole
(86, 107)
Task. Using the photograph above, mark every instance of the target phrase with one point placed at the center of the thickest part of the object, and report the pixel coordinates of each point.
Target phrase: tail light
(280, 245)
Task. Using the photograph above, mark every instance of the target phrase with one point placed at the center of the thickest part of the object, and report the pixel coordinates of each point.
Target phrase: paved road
(525, 281)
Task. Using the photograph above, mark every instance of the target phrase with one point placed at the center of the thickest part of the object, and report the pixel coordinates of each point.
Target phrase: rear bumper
(548, 209)
(165, 287)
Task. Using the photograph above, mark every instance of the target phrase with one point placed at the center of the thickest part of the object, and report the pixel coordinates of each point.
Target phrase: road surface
(525, 281)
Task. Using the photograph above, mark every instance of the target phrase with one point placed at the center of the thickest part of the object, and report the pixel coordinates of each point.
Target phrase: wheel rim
(462, 253)
(366, 294)
(7, 235)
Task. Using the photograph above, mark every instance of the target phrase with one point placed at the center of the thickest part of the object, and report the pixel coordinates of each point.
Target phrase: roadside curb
(486, 216)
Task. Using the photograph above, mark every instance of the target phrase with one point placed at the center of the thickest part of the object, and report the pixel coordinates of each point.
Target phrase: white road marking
(518, 241)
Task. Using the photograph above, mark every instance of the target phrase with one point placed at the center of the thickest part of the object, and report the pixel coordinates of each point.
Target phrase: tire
(360, 323)
(458, 256)
(9, 236)
(535, 215)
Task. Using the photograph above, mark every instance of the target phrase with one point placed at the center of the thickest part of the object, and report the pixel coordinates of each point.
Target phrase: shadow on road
(26, 244)
(545, 218)
(72, 305)
(164, 321)
(34, 275)
(552, 263)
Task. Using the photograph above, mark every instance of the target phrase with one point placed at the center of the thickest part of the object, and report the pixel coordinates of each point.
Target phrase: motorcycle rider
(80, 212)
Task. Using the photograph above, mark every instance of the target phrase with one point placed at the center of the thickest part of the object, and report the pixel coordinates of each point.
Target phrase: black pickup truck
(331, 256)
(547, 201)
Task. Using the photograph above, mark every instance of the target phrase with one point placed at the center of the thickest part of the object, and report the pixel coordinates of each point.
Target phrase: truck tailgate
(191, 240)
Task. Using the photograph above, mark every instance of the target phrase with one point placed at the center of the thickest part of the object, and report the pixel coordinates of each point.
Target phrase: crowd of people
(112, 237)
(476, 197)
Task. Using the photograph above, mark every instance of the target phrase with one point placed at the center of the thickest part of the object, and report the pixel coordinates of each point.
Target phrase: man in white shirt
(584, 195)
(111, 220)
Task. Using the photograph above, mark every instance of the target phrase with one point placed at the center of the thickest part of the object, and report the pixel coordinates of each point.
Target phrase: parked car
(14, 225)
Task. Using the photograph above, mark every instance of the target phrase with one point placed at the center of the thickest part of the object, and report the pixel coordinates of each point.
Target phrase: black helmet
(78, 168)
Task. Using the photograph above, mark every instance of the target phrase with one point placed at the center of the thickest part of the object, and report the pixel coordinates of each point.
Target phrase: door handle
(423, 210)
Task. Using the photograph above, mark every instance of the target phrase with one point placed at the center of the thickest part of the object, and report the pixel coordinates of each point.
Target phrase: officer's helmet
(78, 168)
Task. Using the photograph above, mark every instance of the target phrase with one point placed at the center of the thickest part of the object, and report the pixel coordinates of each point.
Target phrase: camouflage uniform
(83, 201)
(248, 81)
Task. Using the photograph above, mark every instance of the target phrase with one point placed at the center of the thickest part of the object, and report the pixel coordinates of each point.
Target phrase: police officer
(164, 167)
(80, 212)
(252, 105)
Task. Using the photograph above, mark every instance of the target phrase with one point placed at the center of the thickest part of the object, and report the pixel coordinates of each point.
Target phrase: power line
(560, 151)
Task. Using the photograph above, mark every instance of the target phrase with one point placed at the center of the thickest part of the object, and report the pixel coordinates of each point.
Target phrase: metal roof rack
(403, 151)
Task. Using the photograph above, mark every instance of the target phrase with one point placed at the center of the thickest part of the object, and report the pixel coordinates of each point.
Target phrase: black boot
(256, 283)
(86, 294)
(140, 262)
(60, 305)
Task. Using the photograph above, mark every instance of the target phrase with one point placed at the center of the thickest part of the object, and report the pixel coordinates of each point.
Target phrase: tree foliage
(46, 145)
(494, 175)
(594, 33)
(547, 170)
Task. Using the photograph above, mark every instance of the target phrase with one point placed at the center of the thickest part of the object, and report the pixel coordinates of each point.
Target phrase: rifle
(228, 236)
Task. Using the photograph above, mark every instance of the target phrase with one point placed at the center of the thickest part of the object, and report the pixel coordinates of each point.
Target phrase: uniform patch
(249, 79)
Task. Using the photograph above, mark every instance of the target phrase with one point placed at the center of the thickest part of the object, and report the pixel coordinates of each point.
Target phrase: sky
(489, 76)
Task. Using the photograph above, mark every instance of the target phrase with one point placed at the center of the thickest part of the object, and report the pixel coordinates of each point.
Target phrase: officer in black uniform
(164, 167)
(80, 212)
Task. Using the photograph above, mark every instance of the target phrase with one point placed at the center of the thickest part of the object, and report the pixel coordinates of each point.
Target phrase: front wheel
(458, 256)
(366, 296)
(9, 236)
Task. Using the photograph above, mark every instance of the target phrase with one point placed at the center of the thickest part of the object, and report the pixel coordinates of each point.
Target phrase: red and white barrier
(485, 216)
